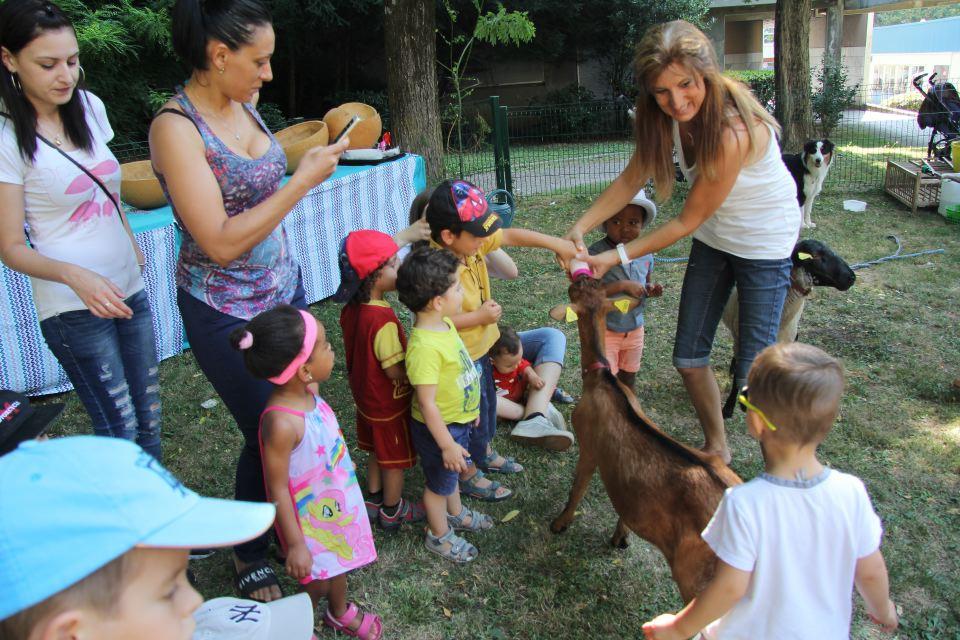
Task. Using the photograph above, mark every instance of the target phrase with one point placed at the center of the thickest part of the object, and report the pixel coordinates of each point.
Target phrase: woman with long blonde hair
(741, 210)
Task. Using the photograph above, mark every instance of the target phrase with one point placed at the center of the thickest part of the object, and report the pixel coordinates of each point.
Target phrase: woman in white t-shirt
(741, 210)
(83, 262)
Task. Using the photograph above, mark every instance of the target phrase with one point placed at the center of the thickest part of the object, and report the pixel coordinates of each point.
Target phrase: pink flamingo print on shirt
(90, 209)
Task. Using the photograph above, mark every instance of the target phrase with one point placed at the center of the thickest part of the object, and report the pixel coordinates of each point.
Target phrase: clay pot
(139, 187)
(365, 134)
(299, 139)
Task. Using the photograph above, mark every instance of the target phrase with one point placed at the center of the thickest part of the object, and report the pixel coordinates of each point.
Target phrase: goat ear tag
(622, 304)
(804, 256)
(571, 315)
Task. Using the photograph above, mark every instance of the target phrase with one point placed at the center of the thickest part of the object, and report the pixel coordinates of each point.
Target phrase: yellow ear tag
(571, 315)
(804, 256)
(622, 304)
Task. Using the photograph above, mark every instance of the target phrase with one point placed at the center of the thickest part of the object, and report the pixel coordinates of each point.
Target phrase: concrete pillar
(834, 37)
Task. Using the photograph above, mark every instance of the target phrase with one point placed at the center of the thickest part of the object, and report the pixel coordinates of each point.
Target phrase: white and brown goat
(814, 264)
(663, 491)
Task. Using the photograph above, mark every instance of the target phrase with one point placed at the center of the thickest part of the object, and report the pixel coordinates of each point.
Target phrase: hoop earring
(15, 81)
(82, 80)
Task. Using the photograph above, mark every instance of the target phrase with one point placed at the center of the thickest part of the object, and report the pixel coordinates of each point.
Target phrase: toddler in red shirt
(375, 345)
(512, 374)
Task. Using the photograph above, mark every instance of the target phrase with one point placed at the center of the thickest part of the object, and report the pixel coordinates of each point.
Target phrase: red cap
(362, 253)
(368, 250)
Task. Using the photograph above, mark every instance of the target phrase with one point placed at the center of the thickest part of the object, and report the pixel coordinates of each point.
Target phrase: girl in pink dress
(321, 518)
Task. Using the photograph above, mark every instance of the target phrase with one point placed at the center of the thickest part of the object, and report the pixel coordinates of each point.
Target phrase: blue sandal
(459, 551)
(509, 465)
(478, 521)
(488, 494)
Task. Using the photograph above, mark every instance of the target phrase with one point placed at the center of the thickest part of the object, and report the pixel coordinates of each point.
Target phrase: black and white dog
(809, 170)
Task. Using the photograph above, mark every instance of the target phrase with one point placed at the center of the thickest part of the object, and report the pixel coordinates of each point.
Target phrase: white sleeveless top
(760, 218)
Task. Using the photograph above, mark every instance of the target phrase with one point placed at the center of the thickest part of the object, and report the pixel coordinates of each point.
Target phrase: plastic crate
(906, 182)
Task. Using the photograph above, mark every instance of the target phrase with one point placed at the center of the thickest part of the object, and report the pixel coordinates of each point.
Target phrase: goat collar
(799, 288)
(595, 366)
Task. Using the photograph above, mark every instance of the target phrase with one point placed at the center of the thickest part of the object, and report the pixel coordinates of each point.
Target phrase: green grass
(899, 430)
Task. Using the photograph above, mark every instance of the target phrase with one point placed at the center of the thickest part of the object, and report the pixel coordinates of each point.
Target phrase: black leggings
(208, 331)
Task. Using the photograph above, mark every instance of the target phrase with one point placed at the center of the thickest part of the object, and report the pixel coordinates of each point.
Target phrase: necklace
(232, 129)
(57, 137)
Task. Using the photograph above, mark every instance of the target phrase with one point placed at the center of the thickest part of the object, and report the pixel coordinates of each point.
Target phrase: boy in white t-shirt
(793, 542)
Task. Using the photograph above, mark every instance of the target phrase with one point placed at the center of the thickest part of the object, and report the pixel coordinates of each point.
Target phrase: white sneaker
(554, 415)
(541, 432)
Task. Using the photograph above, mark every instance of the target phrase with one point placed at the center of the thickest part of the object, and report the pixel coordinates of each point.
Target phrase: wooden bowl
(139, 187)
(365, 134)
(299, 139)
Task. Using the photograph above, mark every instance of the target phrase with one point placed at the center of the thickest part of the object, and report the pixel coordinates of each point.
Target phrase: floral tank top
(261, 278)
(326, 496)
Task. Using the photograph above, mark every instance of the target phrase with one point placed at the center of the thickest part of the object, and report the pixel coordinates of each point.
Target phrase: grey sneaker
(541, 432)
(554, 415)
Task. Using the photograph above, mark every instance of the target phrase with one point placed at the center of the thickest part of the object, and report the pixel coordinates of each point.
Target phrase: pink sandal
(371, 626)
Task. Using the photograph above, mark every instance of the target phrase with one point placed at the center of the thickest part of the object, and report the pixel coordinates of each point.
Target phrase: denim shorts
(711, 274)
(483, 435)
(545, 344)
(438, 479)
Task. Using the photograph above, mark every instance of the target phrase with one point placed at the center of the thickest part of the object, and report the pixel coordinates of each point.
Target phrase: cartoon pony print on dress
(328, 529)
(469, 200)
(91, 209)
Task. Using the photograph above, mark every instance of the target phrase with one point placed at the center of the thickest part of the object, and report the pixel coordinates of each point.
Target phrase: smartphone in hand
(354, 121)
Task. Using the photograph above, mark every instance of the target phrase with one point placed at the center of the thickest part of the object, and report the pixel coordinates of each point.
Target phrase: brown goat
(663, 491)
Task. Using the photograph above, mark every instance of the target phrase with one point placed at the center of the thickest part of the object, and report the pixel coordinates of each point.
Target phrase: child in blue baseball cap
(94, 537)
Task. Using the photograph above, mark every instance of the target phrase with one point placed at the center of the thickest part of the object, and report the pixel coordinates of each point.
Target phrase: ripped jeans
(112, 364)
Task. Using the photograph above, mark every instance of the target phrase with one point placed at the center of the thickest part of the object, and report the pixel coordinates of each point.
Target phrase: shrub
(832, 97)
(760, 82)
(910, 100)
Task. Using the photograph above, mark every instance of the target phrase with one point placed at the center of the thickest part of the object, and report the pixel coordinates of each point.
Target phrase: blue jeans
(544, 344)
(112, 364)
(245, 397)
(482, 435)
(762, 289)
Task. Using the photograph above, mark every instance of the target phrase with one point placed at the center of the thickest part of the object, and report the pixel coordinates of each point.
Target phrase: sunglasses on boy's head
(744, 400)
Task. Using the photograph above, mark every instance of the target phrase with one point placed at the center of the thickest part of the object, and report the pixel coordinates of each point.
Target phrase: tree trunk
(791, 42)
(411, 47)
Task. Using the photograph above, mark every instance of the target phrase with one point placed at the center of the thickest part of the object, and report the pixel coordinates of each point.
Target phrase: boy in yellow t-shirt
(446, 399)
(461, 222)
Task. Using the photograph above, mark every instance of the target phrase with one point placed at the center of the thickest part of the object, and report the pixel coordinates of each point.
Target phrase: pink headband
(309, 340)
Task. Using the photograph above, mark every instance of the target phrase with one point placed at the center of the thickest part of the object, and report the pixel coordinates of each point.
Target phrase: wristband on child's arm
(622, 252)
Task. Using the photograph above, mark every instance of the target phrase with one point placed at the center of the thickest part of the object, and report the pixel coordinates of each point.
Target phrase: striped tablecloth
(360, 197)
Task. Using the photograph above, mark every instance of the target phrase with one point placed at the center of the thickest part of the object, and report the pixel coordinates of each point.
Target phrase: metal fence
(581, 147)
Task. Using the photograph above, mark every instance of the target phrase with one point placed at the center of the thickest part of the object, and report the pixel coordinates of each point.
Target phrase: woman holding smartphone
(220, 168)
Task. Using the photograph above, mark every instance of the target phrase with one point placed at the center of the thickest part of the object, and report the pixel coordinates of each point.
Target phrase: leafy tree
(612, 29)
(127, 57)
(494, 28)
(901, 16)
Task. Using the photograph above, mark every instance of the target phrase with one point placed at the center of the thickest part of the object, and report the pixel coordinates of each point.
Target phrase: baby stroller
(941, 111)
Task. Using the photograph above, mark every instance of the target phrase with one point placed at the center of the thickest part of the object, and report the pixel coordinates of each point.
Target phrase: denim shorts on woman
(711, 274)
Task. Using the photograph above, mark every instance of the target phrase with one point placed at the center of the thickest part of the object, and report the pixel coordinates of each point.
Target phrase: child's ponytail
(270, 341)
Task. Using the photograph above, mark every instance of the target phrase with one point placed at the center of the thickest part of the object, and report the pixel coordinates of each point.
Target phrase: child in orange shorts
(375, 346)
(624, 336)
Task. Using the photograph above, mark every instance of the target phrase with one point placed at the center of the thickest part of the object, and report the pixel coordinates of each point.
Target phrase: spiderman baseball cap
(71, 505)
(361, 253)
(20, 420)
(459, 205)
